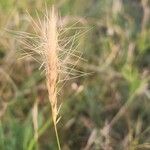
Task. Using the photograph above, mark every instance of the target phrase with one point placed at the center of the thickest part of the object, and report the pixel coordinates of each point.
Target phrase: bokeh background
(109, 109)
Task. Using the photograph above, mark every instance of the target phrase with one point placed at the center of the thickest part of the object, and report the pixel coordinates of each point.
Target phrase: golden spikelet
(50, 54)
(50, 58)
(56, 53)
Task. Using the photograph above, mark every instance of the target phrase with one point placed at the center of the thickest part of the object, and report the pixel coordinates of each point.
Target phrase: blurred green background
(116, 94)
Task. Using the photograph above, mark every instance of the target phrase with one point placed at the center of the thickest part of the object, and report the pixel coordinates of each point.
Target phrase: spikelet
(50, 57)
(56, 53)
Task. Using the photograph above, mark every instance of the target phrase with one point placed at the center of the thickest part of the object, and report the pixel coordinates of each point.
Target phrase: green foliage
(131, 74)
(6, 5)
(143, 42)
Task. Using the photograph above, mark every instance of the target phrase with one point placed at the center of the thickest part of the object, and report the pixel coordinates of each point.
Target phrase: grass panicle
(55, 52)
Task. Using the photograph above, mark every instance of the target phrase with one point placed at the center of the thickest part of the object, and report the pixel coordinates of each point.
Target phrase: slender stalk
(57, 137)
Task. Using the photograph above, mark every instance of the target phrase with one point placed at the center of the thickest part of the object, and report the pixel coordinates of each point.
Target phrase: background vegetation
(115, 94)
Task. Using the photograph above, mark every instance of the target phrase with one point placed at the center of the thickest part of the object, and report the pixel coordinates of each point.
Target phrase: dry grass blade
(35, 119)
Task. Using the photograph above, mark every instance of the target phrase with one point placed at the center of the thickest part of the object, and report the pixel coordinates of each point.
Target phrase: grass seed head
(55, 51)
